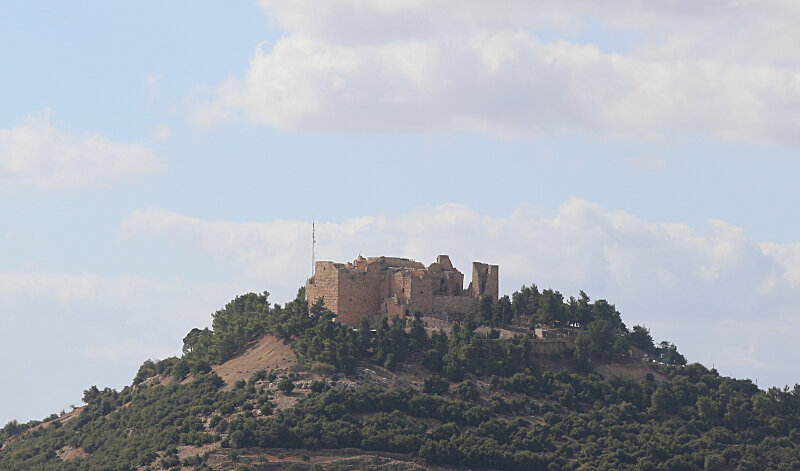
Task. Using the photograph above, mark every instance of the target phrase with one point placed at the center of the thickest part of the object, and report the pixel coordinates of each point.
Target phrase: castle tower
(484, 280)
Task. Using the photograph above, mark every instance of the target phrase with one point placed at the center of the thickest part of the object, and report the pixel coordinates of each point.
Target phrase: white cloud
(36, 154)
(278, 251)
(788, 257)
(75, 330)
(108, 312)
(711, 291)
(727, 30)
(724, 68)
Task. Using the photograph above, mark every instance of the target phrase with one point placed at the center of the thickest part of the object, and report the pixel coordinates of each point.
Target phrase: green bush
(435, 385)
(286, 385)
(467, 390)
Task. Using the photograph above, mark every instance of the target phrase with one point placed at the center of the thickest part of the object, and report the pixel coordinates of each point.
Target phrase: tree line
(482, 404)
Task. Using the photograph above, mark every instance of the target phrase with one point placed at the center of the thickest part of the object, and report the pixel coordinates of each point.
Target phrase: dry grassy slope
(633, 370)
(281, 459)
(267, 353)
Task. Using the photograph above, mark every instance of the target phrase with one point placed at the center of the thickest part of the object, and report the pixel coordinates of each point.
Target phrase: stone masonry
(391, 286)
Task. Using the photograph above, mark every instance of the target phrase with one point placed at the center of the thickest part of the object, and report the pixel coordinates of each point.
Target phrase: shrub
(259, 375)
(180, 370)
(147, 370)
(286, 385)
(200, 367)
(170, 461)
(435, 385)
(467, 390)
(323, 369)
(192, 461)
(319, 386)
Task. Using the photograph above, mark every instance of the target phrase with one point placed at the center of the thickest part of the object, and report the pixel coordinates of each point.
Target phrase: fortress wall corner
(324, 284)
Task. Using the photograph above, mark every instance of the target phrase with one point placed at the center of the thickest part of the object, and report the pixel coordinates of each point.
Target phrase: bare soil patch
(267, 353)
(67, 453)
(285, 401)
(71, 414)
(189, 451)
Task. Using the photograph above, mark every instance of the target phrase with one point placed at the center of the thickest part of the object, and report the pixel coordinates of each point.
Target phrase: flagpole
(313, 248)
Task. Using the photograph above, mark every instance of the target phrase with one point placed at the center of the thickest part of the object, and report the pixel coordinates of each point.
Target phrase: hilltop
(288, 387)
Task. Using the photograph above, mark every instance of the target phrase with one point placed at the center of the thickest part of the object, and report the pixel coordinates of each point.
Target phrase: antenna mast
(313, 247)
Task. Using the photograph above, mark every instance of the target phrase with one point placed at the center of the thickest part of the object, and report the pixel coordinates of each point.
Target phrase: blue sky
(158, 158)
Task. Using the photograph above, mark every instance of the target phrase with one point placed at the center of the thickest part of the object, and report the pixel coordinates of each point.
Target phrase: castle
(398, 286)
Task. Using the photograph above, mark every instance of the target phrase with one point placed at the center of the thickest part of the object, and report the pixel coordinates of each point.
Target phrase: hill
(272, 387)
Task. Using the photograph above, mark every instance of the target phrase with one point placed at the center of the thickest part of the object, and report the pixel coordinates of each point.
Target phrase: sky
(159, 158)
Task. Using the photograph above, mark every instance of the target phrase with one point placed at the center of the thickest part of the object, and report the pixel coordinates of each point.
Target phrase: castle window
(350, 299)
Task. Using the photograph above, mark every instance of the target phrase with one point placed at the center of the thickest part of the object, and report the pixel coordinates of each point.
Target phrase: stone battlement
(394, 286)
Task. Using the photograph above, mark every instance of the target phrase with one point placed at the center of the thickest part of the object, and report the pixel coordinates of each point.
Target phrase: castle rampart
(397, 286)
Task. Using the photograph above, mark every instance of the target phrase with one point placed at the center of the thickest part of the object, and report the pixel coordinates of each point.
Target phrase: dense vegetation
(483, 404)
(697, 420)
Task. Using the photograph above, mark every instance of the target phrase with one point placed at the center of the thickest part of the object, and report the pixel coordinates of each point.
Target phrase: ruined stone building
(397, 286)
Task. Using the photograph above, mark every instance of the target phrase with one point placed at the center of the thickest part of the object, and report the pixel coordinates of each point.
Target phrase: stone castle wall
(548, 346)
(484, 280)
(455, 304)
(325, 284)
(396, 286)
(357, 294)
